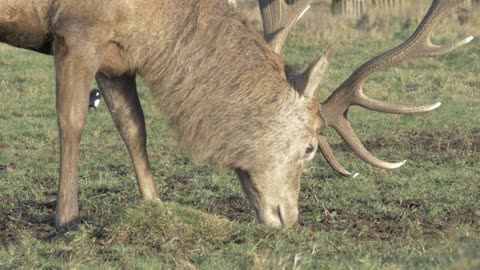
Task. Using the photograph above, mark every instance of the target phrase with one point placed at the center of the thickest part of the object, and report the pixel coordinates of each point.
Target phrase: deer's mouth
(271, 208)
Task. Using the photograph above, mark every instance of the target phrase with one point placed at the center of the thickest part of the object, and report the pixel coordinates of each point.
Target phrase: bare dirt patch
(369, 225)
(454, 143)
(17, 216)
(4, 146)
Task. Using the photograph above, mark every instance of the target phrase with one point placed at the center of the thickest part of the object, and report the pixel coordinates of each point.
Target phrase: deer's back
(23, 24)
(208, 67)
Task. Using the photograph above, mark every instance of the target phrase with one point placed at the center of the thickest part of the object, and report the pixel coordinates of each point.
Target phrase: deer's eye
(309, 150)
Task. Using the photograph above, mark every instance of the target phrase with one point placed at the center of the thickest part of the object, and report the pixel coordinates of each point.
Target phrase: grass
(425, 215)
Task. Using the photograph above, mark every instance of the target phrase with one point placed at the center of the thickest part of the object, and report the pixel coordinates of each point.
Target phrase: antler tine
(330, 157)
(346, 132)
(418, 45)
(278, 18)
(335, 108)
(379, 106)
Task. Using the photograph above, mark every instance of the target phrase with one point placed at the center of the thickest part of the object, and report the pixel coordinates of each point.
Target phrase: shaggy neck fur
(216, 79)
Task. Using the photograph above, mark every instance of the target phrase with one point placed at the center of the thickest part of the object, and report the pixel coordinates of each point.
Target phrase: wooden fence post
(349, 7)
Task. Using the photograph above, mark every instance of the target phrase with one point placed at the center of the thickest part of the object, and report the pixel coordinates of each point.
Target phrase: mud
(369, 225)
(18, 216)
(457, 143)
(4, 146)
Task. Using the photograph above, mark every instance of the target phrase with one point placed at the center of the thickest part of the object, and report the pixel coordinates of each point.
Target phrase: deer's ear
(307, 82)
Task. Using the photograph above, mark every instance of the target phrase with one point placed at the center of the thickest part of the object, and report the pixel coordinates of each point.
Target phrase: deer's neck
(212, 74)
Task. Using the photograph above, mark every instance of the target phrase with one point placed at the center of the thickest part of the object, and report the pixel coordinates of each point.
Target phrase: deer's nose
(279, 215)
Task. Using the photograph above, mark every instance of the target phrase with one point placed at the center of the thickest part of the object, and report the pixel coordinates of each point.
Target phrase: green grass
(425, 215)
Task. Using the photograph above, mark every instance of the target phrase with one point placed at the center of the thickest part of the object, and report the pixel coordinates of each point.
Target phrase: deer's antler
(334, 110)
(278, 18)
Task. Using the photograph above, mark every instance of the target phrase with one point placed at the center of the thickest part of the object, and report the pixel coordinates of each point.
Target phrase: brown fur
(223, 88)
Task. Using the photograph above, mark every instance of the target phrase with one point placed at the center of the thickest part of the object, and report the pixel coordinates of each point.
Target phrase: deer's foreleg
(120, 95)
(75, 70)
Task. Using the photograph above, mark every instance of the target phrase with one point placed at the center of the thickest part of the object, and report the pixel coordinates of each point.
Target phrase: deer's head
(272, 182)
(271, 177)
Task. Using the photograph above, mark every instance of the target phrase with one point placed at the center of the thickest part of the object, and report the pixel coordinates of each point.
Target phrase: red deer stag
(228, 93)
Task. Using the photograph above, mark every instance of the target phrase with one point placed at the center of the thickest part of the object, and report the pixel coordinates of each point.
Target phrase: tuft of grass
(169, 228)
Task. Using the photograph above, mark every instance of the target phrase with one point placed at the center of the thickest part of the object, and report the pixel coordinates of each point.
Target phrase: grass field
(425, 215)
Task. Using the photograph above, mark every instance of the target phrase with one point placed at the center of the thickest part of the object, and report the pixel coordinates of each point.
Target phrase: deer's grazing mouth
(221, 84)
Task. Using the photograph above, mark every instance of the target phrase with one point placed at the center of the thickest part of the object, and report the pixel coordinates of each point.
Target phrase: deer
(224, 87)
